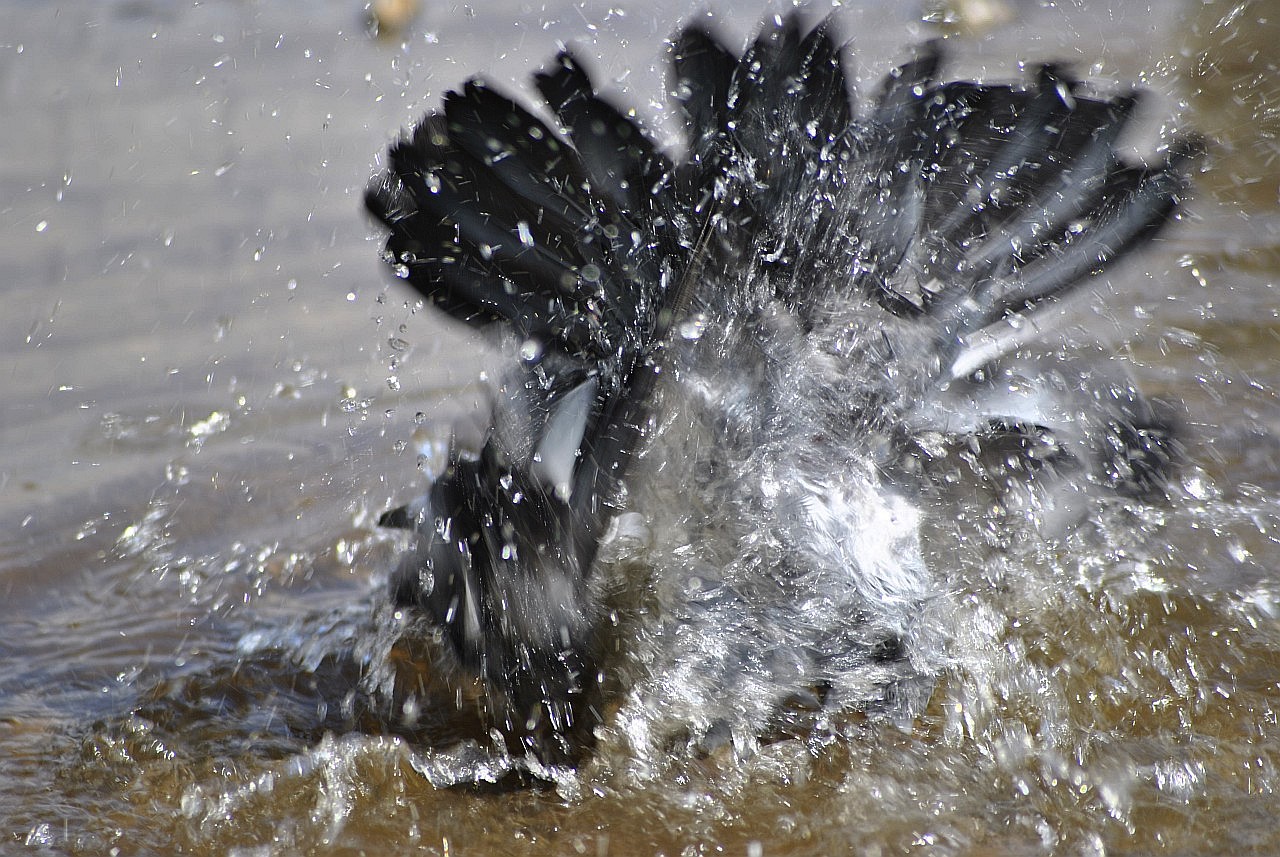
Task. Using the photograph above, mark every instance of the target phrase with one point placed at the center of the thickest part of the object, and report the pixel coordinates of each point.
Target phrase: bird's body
(739, 379)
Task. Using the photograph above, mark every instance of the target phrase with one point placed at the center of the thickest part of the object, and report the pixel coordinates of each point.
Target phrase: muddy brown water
(210, 390)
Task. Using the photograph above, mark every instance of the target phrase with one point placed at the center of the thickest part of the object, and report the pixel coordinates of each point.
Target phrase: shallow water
(211, 393)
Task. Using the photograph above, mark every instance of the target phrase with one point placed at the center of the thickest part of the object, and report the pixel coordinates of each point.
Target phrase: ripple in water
(1082, 672)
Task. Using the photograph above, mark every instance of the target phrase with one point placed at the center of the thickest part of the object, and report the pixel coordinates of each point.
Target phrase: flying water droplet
(693, 327)
(530, 350)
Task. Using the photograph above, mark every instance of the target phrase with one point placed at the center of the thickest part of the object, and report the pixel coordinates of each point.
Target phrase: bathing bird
(739, 369)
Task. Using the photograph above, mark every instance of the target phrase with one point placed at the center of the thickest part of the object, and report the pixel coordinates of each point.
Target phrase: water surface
(210, 391)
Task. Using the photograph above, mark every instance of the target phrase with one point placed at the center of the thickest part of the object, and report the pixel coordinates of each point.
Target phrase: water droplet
(692, 328)
(530, 350)
(40, 836)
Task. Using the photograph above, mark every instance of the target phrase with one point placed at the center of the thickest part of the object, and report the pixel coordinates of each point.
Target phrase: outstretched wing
(498, 219)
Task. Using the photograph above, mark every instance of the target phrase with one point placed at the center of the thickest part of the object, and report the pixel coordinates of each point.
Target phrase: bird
(737, 370)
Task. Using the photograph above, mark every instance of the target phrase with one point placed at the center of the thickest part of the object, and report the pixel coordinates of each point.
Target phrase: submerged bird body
(761, 361)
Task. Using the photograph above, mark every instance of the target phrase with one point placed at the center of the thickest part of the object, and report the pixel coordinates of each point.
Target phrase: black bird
(758, 355)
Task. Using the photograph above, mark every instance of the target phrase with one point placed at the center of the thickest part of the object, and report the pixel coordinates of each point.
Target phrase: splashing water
(200, 659)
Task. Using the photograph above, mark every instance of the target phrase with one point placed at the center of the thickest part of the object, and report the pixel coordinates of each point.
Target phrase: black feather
(951, 205)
